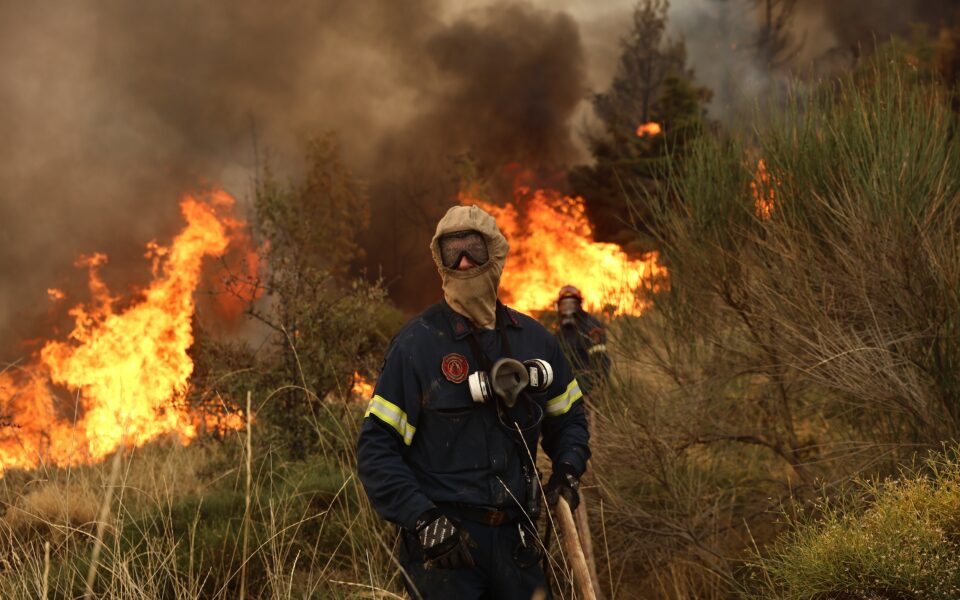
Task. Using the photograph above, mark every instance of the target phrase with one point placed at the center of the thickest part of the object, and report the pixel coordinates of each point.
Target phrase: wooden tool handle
(571, 544)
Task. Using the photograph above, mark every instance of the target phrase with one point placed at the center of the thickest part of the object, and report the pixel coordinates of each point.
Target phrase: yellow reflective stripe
(391, 414)
(562, 403)
(597, 348)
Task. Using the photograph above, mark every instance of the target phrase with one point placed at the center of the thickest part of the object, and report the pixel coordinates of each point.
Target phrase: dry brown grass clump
(51, 511)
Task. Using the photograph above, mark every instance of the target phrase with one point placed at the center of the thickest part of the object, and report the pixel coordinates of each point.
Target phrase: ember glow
(764, 195)
(552, 245)
(122, 373)
(649, 129)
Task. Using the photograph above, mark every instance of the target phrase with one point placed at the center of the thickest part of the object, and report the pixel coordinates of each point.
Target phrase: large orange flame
(552, 245)
(126, 370)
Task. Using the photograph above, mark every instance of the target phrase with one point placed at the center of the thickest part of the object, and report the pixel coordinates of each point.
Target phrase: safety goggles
(454, 246)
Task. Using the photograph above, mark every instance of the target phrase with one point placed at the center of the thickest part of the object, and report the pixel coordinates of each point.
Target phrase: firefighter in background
(583, 340)
(466, 391)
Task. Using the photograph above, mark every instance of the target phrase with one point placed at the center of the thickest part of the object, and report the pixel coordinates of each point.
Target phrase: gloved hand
(564, 481)
(445, 545)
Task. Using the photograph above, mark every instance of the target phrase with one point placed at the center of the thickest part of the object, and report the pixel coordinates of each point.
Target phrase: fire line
(552, 244)
(127, 370)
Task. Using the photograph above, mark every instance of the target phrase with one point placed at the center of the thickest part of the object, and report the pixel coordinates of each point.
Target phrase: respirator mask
(568, 307)
(508, 378)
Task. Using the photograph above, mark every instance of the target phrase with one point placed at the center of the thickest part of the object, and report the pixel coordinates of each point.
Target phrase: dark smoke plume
(509, 79)
(111, 109)
(849, 25)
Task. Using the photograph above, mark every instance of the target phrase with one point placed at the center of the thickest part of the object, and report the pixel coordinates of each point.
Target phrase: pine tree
(652, 85)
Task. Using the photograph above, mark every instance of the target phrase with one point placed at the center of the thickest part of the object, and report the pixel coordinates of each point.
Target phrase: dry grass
(50, 510)
(171, 526)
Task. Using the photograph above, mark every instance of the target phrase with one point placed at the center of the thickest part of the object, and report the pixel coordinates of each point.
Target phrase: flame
(239, 277)
(764, 195)
(55, 294)
(362, 388)
(225, 420)
(126, 369)
(552, 245)
(649, 129)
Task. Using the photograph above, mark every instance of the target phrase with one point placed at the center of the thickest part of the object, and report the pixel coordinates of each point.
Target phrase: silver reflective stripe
(391, 414)
(597, 348)
(562, 403)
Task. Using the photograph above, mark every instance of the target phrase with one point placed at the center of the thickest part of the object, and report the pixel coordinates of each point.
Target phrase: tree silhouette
(652, 84)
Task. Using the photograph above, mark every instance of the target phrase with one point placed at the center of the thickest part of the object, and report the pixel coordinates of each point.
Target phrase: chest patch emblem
(455, 367)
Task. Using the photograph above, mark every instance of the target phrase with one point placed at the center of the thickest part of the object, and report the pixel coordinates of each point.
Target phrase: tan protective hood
(472, 293)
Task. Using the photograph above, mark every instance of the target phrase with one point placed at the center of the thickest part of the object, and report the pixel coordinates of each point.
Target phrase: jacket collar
(461, 326)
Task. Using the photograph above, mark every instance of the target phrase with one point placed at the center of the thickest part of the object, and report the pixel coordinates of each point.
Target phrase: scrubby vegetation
(807, 338)
(760, 438)
(897, 538)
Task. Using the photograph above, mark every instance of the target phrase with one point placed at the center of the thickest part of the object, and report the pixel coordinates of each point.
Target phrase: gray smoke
(111, 109)
(509, 80)
(843, 26)
(822, 38)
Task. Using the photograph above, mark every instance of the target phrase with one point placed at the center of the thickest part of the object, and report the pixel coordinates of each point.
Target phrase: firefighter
(583, 340)
(447, 448)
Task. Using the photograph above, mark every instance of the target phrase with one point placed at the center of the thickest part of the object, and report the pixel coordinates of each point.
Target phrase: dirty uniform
(425, 443)
(585, 345)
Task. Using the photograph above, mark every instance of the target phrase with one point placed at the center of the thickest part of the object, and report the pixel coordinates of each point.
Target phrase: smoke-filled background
(109, 110)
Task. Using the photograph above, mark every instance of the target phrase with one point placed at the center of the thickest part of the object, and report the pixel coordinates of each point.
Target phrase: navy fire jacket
(585, 346)
(424, 442)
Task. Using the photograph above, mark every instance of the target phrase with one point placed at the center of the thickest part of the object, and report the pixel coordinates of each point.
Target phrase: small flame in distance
(362, 388)
(649, 129)
(126, 370)
(764, 195)
(552, 245)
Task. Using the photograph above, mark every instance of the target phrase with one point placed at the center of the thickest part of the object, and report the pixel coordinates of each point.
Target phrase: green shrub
(896, 539)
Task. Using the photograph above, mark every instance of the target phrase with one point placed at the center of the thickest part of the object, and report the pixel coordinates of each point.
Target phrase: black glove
(564, 481)
(445, 545)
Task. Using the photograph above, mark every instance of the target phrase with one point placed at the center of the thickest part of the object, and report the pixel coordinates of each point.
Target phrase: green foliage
(209, 525)
(312, 226)
(326, 326)
(224, 371)
(898, 539)
(652, 84)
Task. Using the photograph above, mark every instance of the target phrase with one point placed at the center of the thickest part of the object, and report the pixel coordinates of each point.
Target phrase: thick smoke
(821, 38)
(848, 26)
(112, 109)
(507, 81)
